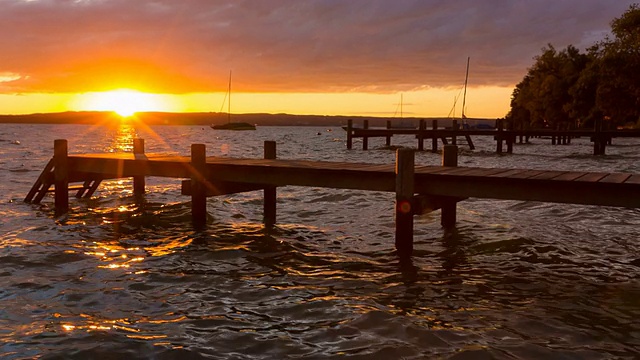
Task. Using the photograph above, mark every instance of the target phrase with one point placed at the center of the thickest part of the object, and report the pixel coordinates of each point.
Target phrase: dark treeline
(568, 89)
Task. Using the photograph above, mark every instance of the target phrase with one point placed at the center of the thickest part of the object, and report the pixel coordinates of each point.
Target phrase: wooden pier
(418, 189)
(503, 137)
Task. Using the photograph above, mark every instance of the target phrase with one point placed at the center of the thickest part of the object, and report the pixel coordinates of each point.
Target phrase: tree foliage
(567, 88)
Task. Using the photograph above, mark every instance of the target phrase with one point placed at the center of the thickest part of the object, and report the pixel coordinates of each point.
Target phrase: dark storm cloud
(275, 45)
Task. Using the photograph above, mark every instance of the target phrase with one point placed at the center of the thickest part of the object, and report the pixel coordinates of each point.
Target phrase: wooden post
(269, 191)
(365, 139)
(599, 144)
(470, 142)
(434, 139)
(138, 181)
(510, 140)
(388, 142)
(448, 212)
(198, 184)
(421, 127)
(349, 134)
(405, 159)
(454, 127)
(61, 176)
(499, 136)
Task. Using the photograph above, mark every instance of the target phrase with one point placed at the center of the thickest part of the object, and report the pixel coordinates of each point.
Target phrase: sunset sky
(349, 57)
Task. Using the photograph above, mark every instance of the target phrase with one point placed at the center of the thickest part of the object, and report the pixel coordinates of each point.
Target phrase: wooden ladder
(45, 181)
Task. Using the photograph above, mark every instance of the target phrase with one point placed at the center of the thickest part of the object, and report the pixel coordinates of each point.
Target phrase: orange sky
(304, 57)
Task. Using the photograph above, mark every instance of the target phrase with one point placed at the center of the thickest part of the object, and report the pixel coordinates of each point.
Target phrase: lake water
(120, 280)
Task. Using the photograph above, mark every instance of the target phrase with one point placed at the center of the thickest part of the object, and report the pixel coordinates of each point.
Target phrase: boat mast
(464, 97)
(229, 103)
(400, 106)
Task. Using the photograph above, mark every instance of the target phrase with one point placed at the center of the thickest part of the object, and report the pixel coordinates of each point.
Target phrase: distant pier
(505, 138)
(418, 189)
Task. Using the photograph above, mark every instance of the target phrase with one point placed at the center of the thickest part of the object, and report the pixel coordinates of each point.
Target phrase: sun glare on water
(124, 102)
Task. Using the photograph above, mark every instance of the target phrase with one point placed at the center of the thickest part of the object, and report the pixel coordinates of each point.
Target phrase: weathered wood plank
(615, 178)
(547, 175)
(507, 173)
(591, 177)
(525, 174)
(568, 176)
(633, 179)
(482, 172)
(456, 171)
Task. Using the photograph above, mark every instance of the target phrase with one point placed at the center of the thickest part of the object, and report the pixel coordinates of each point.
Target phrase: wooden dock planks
(417, 188)
(611, 189)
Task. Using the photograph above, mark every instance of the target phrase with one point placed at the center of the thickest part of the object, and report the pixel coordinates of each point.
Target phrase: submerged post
(421, 128)
(365, 139)
(448, 212)
(388, 137)
(269, 191)
(498, 137)
(454, 127)
(139, 180)
(599, 141)
(434, 139)
(349, 134)
(404, 195)
(198, 184)
(61, 176)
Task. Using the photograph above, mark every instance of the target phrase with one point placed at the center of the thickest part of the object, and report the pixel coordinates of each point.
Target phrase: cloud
(284, 45)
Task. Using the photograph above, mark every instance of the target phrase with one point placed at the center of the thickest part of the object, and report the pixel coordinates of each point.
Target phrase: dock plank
(569, 176)
(507, 173)
(547, 175)
(525, 174)
(633, 179)
(615, 178)
(591, 177)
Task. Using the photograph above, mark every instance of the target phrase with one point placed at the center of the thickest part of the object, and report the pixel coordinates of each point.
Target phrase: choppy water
(118, 280)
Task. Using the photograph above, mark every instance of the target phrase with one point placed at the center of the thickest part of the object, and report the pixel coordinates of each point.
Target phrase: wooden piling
(405, 159)
(269, 191)
(470, 142)
(448, 212)
(365, 139)
(198, 184)
(434, 139)
(349, 134)
(454, 127)
(421, 127)
(388, 138)
(599, 141)
(61, 176)
(138, 181)
(498, 137)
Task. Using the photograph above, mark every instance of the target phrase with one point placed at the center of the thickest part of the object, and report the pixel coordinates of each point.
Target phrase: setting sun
(124, 102)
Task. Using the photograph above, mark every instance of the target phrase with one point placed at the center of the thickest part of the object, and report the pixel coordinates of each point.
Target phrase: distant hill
(209, 118)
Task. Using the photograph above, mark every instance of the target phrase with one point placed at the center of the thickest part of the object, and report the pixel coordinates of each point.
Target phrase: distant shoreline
(166, 118)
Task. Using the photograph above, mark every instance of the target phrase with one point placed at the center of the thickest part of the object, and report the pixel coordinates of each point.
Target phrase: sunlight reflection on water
(119, 278)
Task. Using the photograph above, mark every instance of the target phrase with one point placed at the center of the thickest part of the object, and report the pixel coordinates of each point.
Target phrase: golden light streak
(124, 102)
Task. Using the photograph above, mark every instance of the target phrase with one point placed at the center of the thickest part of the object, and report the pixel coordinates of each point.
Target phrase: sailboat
(402, 124)
(232, 125)
(464, 96)
(452, 113)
